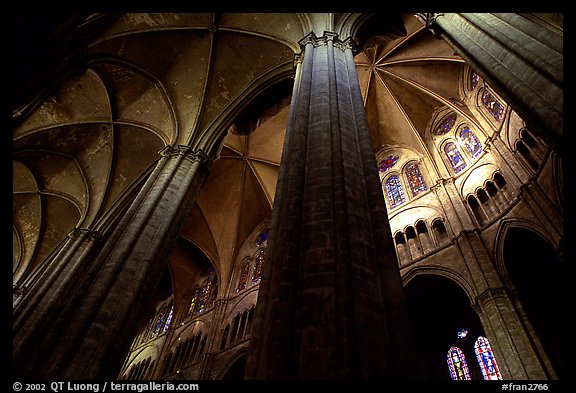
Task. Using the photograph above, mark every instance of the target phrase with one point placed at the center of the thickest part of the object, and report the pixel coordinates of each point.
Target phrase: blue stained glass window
(387, 163)
(486, 359)
(161, 322)
(446, 124)
(454, 156)
(261, 239)
(394, 191)
(168, 319)
(471, 142)
(415, 179)
(494, 107)
(457, 364)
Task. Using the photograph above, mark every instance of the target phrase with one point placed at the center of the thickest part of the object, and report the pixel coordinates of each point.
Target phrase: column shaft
(331, 302)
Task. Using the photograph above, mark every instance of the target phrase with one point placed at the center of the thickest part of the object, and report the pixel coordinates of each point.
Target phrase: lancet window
(492, 105)
(250, 268)
(457, 364)
(471, 142)
(486, 359)
(454, 157)
(415, 179)
(394, 191)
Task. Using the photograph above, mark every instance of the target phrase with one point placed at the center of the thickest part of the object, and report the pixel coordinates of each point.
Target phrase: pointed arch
(531, 266)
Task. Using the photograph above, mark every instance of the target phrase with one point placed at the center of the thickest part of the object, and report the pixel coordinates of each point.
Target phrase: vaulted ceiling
(83, 151)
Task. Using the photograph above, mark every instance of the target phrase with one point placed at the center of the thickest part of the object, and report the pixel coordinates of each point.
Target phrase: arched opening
(526, 154)
(236, 371)
(440, 231)
(423, 236)
(477, 210)
(439, 310)
(535, 270)
(413, 242)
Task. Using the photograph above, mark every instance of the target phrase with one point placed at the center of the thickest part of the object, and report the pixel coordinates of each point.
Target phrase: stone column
(455, 211)
(80, 246)
(501, 320)
(519, 59)
(96, 318)
(331, 302)
(514, 350)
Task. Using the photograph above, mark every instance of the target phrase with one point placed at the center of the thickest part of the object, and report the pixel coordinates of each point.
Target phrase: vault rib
(400, 43)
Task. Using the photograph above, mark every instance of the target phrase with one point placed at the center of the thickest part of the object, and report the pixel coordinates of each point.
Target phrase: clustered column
(331, 302)
(91, 323)
(518, 58)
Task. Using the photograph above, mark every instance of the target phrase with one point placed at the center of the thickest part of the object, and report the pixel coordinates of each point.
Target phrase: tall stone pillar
(519, 59)
(515, 351)
(331, 302)
(84, 331)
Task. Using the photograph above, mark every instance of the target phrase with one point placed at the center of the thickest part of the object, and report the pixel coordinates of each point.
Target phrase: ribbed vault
(164, 79)
(404, 81)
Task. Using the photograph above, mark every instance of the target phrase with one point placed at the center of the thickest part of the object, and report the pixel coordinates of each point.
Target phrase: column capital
(87, 234)
(185, 151)
(311, 38)
(441, 183)
(19, 291)
(430, 20)
(489, 295)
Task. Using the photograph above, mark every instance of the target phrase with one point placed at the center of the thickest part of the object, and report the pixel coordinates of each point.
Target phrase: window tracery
(387, 163)
(446, 125)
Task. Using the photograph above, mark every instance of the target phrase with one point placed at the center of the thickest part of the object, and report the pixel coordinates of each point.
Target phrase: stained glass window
(261, 239)
(161, 319)
(387, 163)
(244, 270)
(474, 79)
(168, 319)
(486, 359)
(257, 270)
(194, 301)
(148, 331)
(205, 298)
(394, 191)
(457, 364)
(415, 179)
(471, 142)
(494, 107)
(454, 157)
(446, 124)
